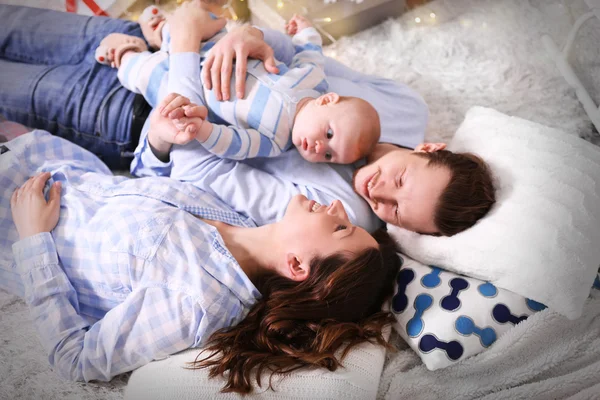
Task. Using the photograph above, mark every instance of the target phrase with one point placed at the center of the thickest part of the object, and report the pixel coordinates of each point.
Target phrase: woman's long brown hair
(302, 324)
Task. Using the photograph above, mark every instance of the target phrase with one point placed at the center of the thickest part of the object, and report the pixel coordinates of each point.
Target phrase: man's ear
(328, 98)
(430, 147)
(296, 269)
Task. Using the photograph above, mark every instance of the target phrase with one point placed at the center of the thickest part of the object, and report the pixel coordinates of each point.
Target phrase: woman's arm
(126, 338)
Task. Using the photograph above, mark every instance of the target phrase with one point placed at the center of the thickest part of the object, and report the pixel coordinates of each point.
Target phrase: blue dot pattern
(502, 314)
(535, 306)
(414, 327)
(400, 300)
(487, 289)
(452, 302)
(432, 279)
(466, 326)
(453, 349)
(446, 317)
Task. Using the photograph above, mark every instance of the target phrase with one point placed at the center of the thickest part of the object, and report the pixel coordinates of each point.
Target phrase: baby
(278, 111)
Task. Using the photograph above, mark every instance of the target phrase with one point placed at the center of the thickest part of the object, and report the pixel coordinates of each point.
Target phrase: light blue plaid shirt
(130, 274)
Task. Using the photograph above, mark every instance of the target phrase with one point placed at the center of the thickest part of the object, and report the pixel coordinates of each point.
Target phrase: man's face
(402, 189)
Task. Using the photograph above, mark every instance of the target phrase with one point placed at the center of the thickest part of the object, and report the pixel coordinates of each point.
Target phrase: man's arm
(262, 188)
(260, 194)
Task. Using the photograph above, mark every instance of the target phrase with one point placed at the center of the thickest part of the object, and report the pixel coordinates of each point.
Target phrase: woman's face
(311, 229)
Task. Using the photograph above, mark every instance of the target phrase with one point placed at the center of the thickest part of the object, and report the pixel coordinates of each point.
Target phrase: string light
(280, 4)
(432, 15)
(417, 20)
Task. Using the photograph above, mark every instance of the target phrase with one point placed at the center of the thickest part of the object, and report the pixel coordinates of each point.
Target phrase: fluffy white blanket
(544, 357)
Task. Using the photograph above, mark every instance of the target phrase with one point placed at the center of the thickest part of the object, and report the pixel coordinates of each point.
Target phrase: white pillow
(446, 318)
(542, 238)
(167, 379)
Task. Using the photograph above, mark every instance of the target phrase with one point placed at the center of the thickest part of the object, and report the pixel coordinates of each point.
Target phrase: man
(412, 202)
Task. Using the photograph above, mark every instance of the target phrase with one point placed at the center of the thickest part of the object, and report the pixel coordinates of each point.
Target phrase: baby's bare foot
(113, 47)
(152, 21)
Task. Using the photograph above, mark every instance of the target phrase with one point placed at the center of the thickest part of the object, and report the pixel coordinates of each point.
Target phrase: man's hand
(175, 121)
(297, 24)
(239, 44)
(31, 213)
(190, 24)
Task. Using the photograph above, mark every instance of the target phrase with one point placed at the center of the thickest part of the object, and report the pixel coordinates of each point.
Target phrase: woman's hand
(31, 213)
(176, 120)
(239, 44)
(190, 24)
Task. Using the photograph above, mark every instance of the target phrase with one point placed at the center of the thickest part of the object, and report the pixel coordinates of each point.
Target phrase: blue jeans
(49, 79)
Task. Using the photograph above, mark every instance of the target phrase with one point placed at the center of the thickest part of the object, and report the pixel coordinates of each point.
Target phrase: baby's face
(333, 134)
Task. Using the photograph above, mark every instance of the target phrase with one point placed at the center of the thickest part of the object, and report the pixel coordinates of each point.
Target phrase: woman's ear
(430, 147)
(328, 98)
(296, 270)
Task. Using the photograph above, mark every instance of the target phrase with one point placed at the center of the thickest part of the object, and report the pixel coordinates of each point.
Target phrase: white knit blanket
(544, 357)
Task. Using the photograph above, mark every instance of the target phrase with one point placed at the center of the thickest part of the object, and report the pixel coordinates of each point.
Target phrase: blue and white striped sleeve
(149, 324)
(307, 69)
(308, 47)
(236, 143)
(145, 73)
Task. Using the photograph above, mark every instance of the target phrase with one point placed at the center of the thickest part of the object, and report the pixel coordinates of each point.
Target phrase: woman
(118, 272)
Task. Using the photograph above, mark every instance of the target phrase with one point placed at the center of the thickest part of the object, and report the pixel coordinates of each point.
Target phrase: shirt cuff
(35, 251)
(308, 35)
(145, 163)
(150, 160)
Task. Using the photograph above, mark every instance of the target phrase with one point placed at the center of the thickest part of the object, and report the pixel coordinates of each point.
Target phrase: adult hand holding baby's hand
(31, 213)
(297, 24)
(176, 120)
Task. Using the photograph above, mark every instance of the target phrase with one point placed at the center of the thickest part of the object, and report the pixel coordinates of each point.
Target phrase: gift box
(333, 18)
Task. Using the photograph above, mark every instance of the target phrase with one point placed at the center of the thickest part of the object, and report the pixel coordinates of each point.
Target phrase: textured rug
(483, 52)
(462, 53)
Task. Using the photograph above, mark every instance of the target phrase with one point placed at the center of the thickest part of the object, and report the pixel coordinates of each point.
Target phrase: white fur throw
(542, 238)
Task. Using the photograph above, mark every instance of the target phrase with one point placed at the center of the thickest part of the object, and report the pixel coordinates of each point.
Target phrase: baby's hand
(297, 24)
(191, 120)
(173, 109)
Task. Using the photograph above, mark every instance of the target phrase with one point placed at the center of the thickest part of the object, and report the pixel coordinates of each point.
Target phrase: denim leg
(83, 103)
(39, 36)
(51, 81)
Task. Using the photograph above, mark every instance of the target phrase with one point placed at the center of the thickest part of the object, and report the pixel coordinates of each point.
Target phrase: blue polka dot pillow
(447, 318)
